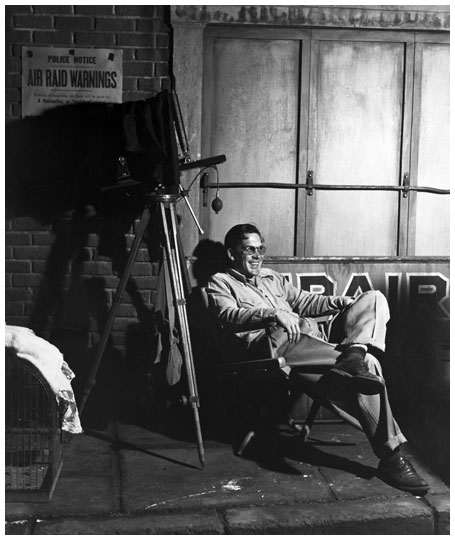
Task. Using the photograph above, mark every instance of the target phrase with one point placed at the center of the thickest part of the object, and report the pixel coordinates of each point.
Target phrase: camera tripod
(166, 203)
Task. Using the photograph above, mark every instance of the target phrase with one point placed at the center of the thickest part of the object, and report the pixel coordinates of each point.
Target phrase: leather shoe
(398, 472)
(349, 376)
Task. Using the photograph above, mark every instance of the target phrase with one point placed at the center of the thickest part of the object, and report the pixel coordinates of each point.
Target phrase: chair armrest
(251, 366)
(248, 327)
(327, 316)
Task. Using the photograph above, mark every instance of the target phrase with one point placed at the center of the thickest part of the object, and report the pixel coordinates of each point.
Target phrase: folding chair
(234, 368)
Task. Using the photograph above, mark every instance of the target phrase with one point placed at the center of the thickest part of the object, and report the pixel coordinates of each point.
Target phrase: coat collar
(263, 274)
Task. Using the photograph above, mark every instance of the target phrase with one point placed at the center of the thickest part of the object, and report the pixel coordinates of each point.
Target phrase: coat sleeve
(308, 304)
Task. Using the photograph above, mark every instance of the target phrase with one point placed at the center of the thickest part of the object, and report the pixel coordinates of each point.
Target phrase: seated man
(247, 295)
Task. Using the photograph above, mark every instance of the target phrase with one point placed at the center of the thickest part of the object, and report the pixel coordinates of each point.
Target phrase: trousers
(364, 321)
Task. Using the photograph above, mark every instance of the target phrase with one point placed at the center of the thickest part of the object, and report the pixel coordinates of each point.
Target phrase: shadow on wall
(58, 161)
(56, 167)
(209, 258)
(417, 369)
(63, 157)
(159, 407)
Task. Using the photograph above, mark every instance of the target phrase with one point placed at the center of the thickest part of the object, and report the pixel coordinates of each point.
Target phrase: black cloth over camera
(61, 159)
(150, 141)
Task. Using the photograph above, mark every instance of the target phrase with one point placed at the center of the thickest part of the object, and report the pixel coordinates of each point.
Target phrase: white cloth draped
(24, 343)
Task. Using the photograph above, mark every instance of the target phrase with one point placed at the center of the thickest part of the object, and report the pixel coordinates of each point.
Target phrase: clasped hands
(291, 322)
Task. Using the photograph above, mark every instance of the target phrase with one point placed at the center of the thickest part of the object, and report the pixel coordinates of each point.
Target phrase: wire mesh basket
(33, 445)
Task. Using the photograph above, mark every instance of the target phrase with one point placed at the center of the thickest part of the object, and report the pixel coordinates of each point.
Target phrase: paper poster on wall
(52, 77)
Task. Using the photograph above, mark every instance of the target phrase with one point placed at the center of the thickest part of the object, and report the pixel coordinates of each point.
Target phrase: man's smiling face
(245, 263)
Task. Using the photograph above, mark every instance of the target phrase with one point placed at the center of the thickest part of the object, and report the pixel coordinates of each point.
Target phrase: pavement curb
(441, 507)
(22, 526)
(407, 515)
(400, 516)
(189, 523)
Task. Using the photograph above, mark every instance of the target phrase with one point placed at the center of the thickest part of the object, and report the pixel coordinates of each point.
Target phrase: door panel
(356, 108)
(254, 107)
(432, 211)
(355, 134)
(354, 223)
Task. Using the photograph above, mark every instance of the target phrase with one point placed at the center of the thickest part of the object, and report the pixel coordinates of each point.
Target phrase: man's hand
(290, 322)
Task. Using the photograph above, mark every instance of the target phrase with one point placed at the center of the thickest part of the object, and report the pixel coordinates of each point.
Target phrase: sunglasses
(251, 250)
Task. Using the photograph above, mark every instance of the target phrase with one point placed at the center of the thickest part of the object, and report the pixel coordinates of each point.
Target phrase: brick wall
(62, 264)
(140, 31)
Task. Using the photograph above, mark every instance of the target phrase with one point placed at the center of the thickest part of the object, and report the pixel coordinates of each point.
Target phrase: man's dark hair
(238, 233)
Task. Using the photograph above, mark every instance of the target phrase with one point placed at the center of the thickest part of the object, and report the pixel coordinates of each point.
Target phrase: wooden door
(250, 113)
(354, 107)
(429, 214)
(357, 98)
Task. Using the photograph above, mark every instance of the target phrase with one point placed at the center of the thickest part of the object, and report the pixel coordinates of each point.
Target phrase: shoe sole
(403, 487)
(412, 491)
(340, 385)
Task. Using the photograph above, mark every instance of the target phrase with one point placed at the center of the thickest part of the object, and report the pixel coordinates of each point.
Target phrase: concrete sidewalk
(128, 480)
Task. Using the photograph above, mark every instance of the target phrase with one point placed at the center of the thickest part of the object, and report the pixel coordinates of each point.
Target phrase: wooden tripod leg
(180, 302)
(194, 397)
(181, 296)
(91, 381)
